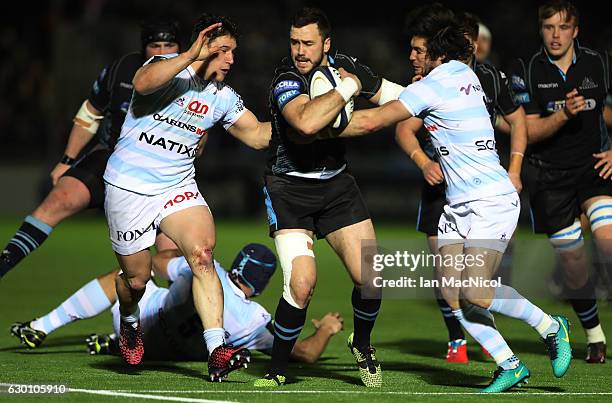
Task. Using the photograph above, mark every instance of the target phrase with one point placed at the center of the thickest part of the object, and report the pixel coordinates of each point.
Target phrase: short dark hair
(311, 15)
(470, 25)
(444, 35)
(205, 20)
(553, 7)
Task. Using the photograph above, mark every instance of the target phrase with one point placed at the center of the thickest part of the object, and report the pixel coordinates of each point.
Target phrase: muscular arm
(309, 116)
(539, 128)
(366, 121)
(153, 76)
(310, 349)
(251, 131)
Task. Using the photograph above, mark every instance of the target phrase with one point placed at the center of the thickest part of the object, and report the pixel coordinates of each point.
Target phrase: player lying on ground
(172, 330)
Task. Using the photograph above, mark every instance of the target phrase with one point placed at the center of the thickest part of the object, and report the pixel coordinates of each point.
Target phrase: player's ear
(575, 32)
(326, 45)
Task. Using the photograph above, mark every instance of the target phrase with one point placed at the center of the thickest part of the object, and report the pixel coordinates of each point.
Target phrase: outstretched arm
(311, 348)
(367, 121)
(251, 131)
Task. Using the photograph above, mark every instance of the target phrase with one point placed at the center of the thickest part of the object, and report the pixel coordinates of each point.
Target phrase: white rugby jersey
(159, 137)
(244, 320)
(450, 102)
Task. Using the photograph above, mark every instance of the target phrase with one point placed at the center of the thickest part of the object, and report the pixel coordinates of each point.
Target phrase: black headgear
(160, 30)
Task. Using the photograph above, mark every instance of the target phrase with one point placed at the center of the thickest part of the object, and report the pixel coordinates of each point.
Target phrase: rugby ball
(324, 79)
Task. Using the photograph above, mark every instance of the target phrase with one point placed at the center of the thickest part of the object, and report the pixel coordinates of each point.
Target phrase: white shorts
(133, 218)
(487, 223)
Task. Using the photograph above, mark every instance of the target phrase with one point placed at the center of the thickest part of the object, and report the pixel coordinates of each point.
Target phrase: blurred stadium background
(53, 51)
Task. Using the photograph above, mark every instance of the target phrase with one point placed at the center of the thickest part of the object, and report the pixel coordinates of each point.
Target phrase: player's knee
(478, 296)
(568, 240)
(451, 296)
(600, 214)
(300, 296)
(289, 246)
(202, 258)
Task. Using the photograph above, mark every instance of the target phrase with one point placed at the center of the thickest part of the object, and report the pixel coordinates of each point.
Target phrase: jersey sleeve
(286, 87)
(505, 101)
(418, 98)
(235, 110)
(519, 87)
(100, 94)
(370, 81)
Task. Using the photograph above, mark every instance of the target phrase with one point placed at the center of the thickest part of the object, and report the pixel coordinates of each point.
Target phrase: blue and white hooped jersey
(159, 137)
(450, 101)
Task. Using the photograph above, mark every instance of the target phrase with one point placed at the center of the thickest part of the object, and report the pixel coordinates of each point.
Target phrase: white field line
(146, 395)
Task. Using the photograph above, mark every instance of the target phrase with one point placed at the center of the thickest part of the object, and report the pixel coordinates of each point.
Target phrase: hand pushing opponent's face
(308, 48)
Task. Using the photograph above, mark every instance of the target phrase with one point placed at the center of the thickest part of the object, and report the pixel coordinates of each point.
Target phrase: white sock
(509, 302)
(487, 336)
(214, 338)
(89, 301)
(595, 335)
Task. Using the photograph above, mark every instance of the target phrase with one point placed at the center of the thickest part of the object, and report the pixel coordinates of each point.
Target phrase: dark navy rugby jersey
(540, 86)
(111, 94)
(286, 156)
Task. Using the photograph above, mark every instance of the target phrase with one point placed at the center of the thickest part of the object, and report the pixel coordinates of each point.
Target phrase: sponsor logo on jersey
(198, 108)
(522, 98)
(180, 101)
(469, 87)
(548, 85)
(588, 84)
(181, 125)
(554, 106)
(285, 97)
(442, 151)
(134, 234)
(484, 145)
(590, 104)
(167, 144)
(448, 227)
(518, 83)
(181, 198)
(286, 85)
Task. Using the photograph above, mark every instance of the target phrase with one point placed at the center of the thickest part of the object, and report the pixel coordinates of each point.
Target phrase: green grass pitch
(409, 336)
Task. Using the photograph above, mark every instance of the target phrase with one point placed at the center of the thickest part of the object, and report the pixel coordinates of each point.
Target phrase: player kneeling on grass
(482, 204)
(171, 327)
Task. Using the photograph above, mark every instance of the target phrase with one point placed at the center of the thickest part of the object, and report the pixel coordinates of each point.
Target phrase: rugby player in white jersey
(482, 204)
(171, 327)
(150, 179)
